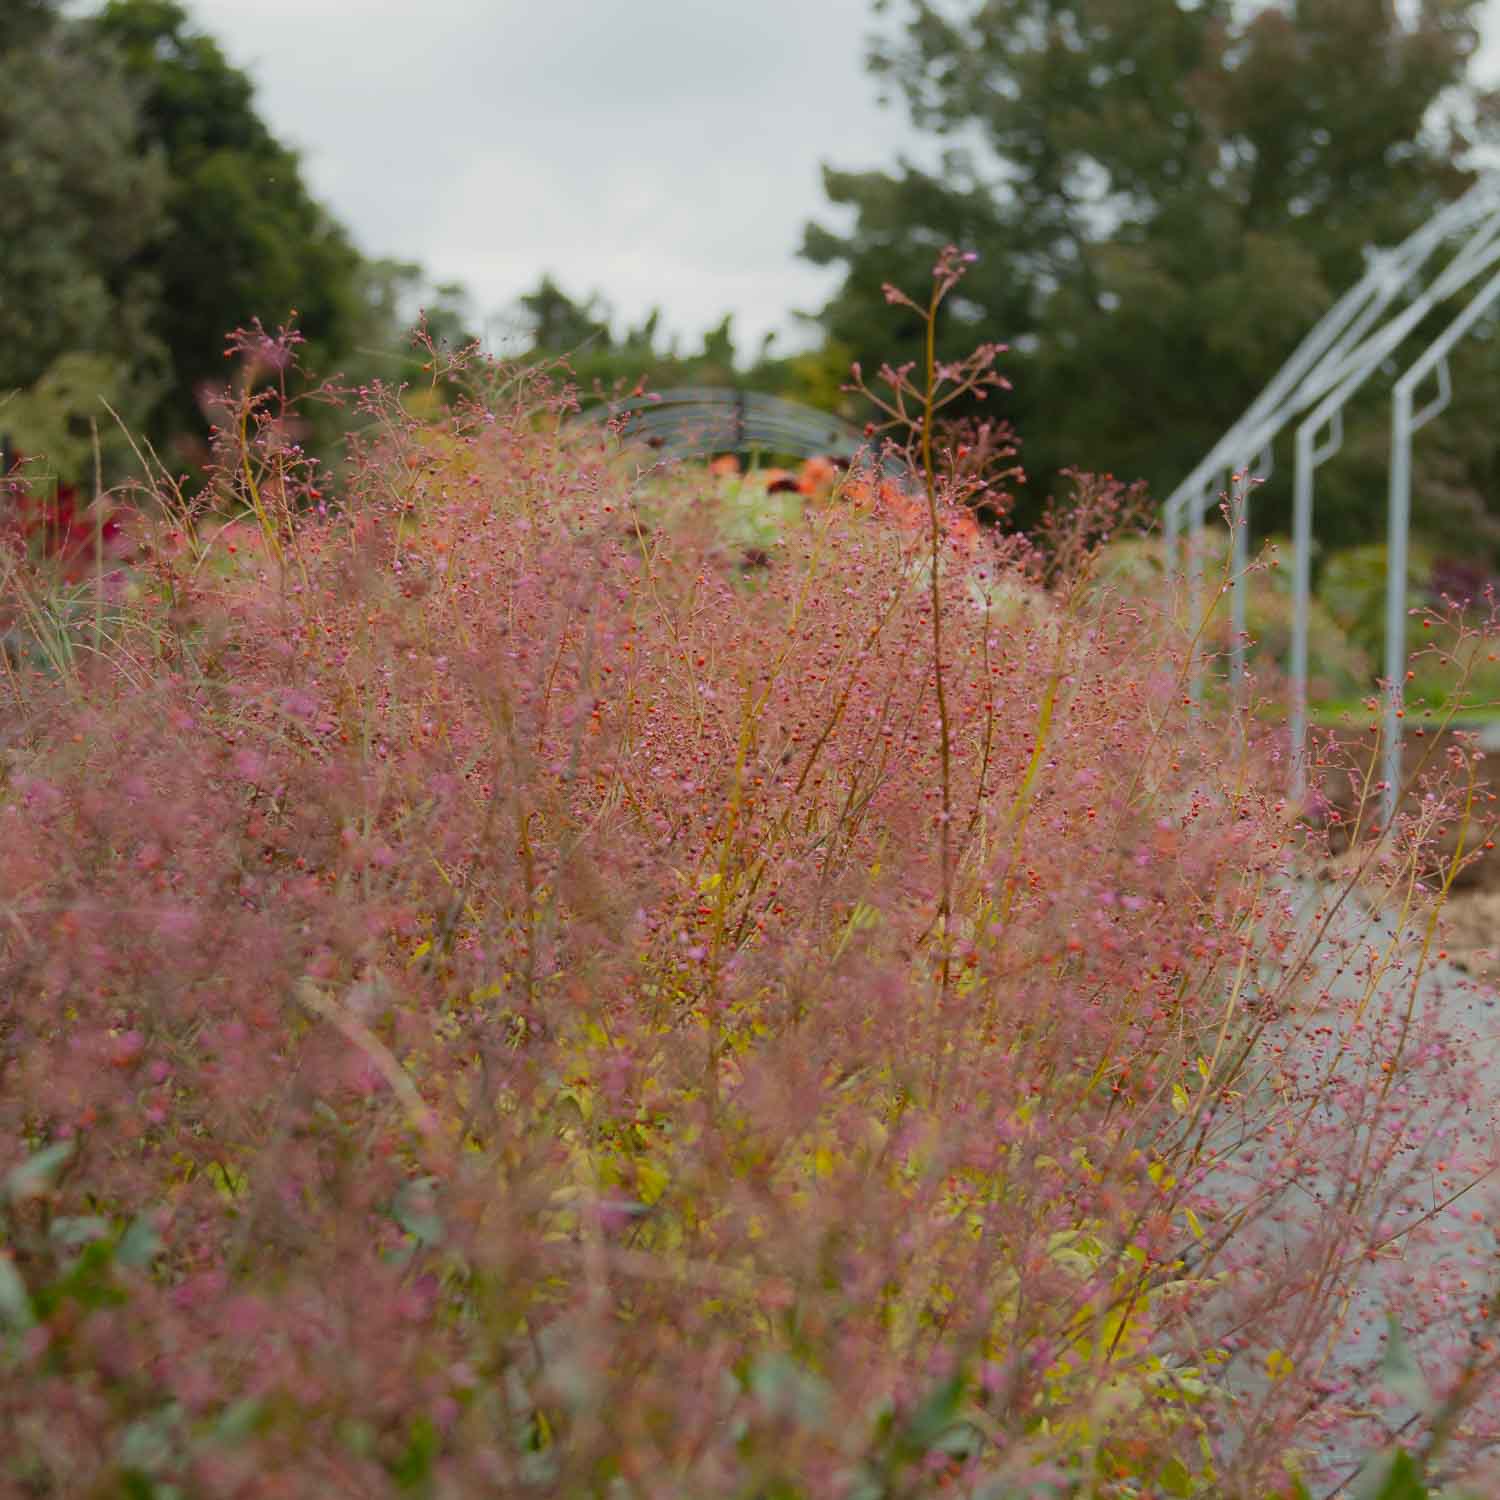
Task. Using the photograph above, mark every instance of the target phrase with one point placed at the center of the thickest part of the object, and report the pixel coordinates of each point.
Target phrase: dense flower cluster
(495, 1004)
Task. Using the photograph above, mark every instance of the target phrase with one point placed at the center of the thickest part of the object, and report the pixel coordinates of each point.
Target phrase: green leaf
(1393, 1476)
(134, 1485)
(73, 1230)
(15, 1300)
(1400, 1370)
(239, 1420)
(415, 1465)
(89, 1281)
(786, 1388)
(148, 1444)
(934, 1416)
(1176, 1478)
(357, 1436)
(413, 1211)
(229, 1182)
(139, 1245)
(34, 1176)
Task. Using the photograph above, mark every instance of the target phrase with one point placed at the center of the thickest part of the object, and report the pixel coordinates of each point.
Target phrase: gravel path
(1433, 1262)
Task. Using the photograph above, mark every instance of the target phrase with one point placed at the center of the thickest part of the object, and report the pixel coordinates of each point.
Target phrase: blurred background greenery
(1165, 196)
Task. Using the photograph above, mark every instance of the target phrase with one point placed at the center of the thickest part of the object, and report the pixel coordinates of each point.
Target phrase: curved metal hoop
(696, 421)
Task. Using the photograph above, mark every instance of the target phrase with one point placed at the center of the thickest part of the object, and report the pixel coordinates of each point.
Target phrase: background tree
(556, 323)
(82, 204)
(149, 210)
(553, 323)
(23, 21)
(246, 238)
(1165, 195)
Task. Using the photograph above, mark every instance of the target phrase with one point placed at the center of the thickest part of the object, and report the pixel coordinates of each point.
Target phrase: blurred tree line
(149, 209)
(1165, 195)
(604, 363)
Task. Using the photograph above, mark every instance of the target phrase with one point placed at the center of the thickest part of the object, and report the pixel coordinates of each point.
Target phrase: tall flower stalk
(911, 410)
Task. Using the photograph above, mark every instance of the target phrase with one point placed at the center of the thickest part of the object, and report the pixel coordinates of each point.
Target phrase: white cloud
(658, 151)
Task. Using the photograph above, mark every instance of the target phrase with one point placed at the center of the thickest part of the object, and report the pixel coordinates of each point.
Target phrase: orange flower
(963, 531)
(818, 476)
(725, 465)
(899, 506)
(780, 482)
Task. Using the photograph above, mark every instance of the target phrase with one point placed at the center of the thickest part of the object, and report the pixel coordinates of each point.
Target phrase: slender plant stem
(945, 900)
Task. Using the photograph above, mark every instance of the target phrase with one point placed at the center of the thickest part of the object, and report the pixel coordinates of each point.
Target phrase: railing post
(1196, 512)
(1238, 508)
(1302, 498)
(1395, 598)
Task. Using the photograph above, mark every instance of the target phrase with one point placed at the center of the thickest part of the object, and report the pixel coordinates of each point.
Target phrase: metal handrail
(1356, 337)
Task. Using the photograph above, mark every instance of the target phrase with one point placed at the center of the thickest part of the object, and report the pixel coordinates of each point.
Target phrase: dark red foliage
(53, 528)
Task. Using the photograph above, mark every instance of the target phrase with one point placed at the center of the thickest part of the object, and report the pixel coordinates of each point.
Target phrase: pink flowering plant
(501, 998)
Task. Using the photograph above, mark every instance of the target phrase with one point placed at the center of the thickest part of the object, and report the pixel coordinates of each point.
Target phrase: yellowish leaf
(650, 1181)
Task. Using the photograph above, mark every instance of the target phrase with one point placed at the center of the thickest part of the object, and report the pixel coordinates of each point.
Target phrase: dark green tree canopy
(1164, 196)
(82, 204)
(195, 100)
(23, 21)
(149, 210)
(558, 324)
(246, 238)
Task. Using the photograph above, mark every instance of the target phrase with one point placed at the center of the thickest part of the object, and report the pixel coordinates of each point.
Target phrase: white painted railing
(1364, 330)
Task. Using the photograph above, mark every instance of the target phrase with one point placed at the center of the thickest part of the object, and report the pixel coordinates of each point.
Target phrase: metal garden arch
(694, 421)
(1359, 334)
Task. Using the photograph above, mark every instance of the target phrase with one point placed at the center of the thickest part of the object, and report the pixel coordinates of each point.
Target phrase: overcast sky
(656, 151)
